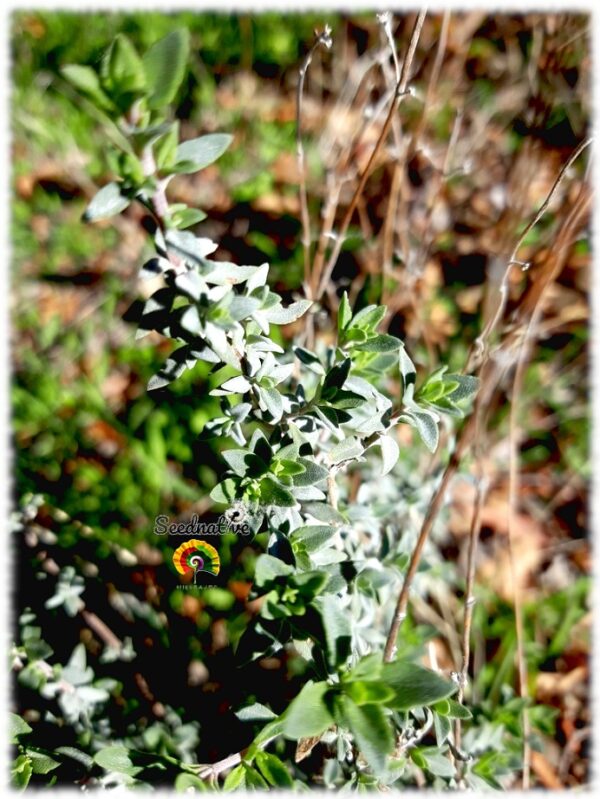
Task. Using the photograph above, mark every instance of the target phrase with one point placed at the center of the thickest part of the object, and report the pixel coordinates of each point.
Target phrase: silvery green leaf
(426, 424)
(327, 557)
(216, 293)
(344, 312)
(235, 385)
(270, 401)
(17, 726)
(368, 318)
(308, 714)
(258, 279)
(190, 320)
(310, 360)
(269, 568)
(171, 370)
(261, 321)
(307, 493)
(164, 66)
(325, 420)
(348, 449)
(225, 493)
(76, 671)
(237, 460)
(239, 411)
(262, 344)
(107, 202)
(281, 372)
(314, 537)
(313, 473)
(338, 630)
(241, 307)
(86, 80)
(116, 758)
(217, 340)
(255, 712)
(372, 732)
(189, 247)
(390, 452)
(224, 273)
(381, 343)
(273, 493)
(266, 366)
(191, 284)
(323, 512)
(283, 316)
(468, 385)
(204, 150)
(407, 368)
(93, 695)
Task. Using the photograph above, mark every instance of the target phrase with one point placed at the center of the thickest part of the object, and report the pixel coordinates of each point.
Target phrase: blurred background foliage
(101, 458)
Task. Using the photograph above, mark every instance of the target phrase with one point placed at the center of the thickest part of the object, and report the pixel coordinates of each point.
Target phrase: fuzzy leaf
(255, 712)
(381, 343)
(371, 730)
(271, 493)
(390, 452)
(204, 150)
(165, 65)
(348, 449)
(86, 80)
(116, 758)
(313, 536)
(269, 568)
(426, 425)
(414, 685)
(338, 632)
(344, 313)
(283, 316)
(17, 726)
(308, 714)
(107, 202)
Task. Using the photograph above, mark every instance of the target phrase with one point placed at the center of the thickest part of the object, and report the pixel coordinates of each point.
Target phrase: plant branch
(481, 341)
(322, 39)
(400, 91)
(430, 517)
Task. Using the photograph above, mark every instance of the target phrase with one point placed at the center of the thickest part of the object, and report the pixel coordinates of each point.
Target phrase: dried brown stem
(323, 39)
(481, 342)
(469, 595)
(565, 240)
(430, 517)
(400, 90)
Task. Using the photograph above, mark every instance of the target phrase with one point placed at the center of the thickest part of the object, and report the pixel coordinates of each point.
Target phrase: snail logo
(196, 556)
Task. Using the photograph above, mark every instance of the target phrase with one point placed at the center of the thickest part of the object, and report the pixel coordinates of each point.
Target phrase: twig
(322, 39)
(481, 341)
(474, 530)
(102, 629)
(513, 475)
(399, 91)
(213, 770)
(461, 445)
(430, 517)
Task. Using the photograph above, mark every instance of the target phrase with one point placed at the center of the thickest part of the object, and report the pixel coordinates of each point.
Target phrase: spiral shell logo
(195, 557)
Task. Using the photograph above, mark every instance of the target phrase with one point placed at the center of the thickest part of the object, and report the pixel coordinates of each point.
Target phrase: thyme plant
(299, 421)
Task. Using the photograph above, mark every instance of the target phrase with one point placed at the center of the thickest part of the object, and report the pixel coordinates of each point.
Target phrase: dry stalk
(323, 39)
(481, 343)
(321, 278)
(563, 243)
(474, 531)
(488, 377)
